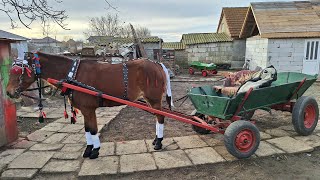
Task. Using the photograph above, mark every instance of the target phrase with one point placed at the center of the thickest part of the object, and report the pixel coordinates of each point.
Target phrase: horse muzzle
(14, 95)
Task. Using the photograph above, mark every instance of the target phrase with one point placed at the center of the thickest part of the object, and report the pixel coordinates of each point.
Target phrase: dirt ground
(134, 124)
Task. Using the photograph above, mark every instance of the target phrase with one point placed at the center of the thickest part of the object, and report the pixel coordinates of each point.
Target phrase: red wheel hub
(309, 116)
(245, 140)
(191, 71)
(204, 73)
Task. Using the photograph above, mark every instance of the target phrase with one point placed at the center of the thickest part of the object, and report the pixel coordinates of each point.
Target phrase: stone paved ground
(57, 148)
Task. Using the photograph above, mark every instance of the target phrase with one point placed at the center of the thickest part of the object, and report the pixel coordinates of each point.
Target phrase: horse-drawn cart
(203, 67)
(231, 116)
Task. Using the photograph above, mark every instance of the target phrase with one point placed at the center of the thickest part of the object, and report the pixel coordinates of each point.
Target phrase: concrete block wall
(257, 52)
(286, 54)
(181, 58)
(239, 51)
(211, 52)
(149, 47)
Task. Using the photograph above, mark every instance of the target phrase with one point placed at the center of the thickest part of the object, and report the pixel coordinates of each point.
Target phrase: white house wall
(257, 52)
(286, 54)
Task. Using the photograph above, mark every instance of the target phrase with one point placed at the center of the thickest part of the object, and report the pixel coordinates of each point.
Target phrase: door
(311, 57)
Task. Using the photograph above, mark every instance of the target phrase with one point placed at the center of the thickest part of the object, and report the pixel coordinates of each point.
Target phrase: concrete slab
(171, 159)
(137, 162)
(60, 166)
(63, 121)
(100, 127)
(9, 155)
(31, 160)
(204, 155)
(2, 167)
(187, 142)
(131, 147)
(104, 120)
(224, 153)
(290, 145)
(72, 148)
(167, 145)
(312, 140)
(277, 132)
(212, 139)
(107, 149)
(71, 128)
(100, 166)
(46, 147)
(67, 155)
(54, 127)
(266, 149)
(19, 174)
(73, 138)
(30, 115)
(24, 144)
(264, 136)
(39, 135)
(287, 128)
(55, 138)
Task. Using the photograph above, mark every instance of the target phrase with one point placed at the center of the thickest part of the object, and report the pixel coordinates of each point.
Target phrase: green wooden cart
(203, 67)
(232, 115)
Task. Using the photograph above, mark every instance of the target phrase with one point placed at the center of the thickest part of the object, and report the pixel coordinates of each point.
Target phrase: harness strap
(125, 80)
(74, 68)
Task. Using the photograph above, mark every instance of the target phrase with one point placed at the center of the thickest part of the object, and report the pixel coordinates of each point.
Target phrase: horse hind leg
(91, 129)
(159, 126)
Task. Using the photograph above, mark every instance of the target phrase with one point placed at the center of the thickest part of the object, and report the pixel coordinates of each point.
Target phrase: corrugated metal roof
(203, 38)
(44, 40)
(10, 36)
(173, 45)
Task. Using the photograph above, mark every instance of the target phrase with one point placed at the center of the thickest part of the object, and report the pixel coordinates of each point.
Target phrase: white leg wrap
(159, 131)
(89, 138)
(157, 127)
(96, 141)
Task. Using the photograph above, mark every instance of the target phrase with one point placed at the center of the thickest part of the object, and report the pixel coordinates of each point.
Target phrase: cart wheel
(191, 71)
(242, 139)
(204, 73)
(247, 115)
(197, 129)
(214, 72)
(305, 115)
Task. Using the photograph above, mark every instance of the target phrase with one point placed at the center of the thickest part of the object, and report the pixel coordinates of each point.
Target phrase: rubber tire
(298, 115)
(204, 73)
(197, 129)
(232, 131)
(191, 71)
(248, 115)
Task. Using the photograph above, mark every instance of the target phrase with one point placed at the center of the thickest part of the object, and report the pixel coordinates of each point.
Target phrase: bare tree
(28, 11)
(111, 25)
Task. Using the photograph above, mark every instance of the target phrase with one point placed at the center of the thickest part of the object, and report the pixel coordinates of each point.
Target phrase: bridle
(23, 68)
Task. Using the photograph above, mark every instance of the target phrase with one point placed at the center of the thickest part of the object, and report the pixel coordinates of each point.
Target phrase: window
(312, 50)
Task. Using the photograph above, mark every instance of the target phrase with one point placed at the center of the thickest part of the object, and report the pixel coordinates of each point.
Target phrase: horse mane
(55, 56)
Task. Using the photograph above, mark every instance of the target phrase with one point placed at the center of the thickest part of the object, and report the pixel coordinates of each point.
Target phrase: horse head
(21, 75)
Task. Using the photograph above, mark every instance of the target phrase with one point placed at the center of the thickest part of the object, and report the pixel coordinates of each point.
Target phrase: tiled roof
(44, 40)
(235, 17)
(9, 36)
(203, 38)
(173, 45)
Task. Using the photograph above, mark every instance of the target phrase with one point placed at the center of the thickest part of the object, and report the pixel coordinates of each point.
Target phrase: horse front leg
(159, 127)
(91, 130)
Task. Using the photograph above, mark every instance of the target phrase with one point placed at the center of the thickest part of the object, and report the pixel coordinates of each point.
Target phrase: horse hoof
(157, 147)
(95, 153)
(88, 151)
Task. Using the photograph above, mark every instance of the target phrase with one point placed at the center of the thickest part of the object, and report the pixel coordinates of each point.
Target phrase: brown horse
(146, 79)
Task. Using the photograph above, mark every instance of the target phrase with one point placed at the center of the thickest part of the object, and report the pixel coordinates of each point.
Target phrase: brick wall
(257, 52)
(286, 54)
(283, 54)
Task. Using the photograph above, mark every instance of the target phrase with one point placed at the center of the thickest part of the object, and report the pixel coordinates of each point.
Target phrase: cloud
(166, 18)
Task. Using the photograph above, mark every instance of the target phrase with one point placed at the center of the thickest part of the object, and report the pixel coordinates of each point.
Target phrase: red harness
(19, 70)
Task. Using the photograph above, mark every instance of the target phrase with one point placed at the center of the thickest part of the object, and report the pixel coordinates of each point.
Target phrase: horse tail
(168, 86)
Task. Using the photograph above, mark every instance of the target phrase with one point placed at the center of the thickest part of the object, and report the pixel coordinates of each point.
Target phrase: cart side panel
(206, 101)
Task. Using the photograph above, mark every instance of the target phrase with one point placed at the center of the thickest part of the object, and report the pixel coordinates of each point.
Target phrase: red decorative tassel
(66, 116)
(44, 114)
(73, 118)
(76, 111)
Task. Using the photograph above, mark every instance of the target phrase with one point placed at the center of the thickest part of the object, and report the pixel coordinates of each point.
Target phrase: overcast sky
(168, 19)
